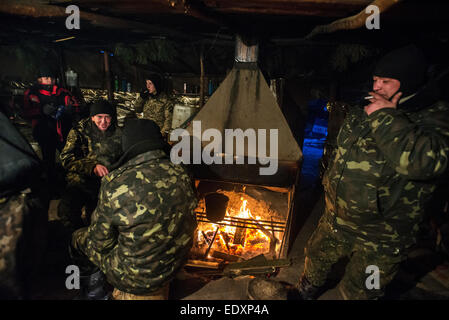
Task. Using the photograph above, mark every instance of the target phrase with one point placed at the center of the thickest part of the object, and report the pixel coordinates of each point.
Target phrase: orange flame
(256, 241)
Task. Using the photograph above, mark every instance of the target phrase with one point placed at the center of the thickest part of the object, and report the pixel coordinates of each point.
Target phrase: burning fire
(235, 240)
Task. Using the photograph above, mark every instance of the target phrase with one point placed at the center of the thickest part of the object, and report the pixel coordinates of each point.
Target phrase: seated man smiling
(92, 146)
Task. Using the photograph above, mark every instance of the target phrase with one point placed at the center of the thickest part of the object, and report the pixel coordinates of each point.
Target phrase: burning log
(250, 227)
(240, 236)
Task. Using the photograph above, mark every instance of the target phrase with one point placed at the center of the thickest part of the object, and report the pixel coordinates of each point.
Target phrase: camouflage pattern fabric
(11, 221)
(159, 109)
(327, 245)
(86, 147)
(384, 172)
(143, 227)
(23, 236)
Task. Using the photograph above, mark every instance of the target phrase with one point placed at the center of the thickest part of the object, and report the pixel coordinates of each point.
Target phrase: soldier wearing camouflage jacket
(384, 171)
(90, 149)
(143, 226)
(155, 104)
(389, 157)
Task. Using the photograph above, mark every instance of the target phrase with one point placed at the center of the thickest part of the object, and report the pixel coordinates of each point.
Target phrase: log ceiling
(287, 22)
(202, 19)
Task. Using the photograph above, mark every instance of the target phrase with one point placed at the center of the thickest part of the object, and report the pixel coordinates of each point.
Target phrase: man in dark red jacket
(50, 110)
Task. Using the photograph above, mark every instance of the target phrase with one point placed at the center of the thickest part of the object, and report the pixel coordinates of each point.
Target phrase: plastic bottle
(71, 78)
(211, 87)
(116, 83)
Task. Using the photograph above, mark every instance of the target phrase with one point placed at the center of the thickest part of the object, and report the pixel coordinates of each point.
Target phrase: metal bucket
(216, 205)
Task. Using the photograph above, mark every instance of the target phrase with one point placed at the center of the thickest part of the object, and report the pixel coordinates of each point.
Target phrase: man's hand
(100, 170)
(144, 94)
(379, 102)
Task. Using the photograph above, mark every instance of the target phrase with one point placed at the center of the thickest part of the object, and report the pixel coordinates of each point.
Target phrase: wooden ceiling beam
(288, 12)
(38, 10)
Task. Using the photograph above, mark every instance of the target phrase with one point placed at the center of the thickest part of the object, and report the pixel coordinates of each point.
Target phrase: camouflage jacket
(384, 171)
(86, 147)
(143, 227)
(159, 109)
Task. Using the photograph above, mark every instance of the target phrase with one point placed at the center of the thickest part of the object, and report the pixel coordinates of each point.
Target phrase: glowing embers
(249, 228)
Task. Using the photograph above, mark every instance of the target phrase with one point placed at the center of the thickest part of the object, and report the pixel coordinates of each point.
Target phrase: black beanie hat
(100, 107)
(139, 136)
(142, 132)
(46, 71)
(406, 64)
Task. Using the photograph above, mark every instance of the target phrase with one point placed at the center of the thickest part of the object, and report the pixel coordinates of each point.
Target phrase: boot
(93, 287)
(306, 290)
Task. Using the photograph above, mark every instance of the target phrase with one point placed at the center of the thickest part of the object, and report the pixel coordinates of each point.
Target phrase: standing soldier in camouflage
(92, 146)
(142, 229)
(381, 177)
(155, 104)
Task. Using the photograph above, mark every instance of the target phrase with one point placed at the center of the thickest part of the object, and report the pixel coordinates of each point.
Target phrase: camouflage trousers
(73, 200)
(327, 245)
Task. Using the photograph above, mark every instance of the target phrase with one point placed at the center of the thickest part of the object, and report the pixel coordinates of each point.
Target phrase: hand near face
(100, 170)
(379, 102)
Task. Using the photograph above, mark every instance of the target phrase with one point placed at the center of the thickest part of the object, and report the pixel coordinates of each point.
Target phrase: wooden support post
(108, 76)
(62, 67)
(202, 77)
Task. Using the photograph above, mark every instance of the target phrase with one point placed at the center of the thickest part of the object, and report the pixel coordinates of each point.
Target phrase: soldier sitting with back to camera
(143, 226)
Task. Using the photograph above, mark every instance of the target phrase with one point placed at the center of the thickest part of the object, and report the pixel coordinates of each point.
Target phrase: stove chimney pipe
(246, 49)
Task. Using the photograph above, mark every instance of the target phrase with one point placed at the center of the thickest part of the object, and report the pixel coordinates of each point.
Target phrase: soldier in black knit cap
(143, 227)
(92, 146)
(390, 158)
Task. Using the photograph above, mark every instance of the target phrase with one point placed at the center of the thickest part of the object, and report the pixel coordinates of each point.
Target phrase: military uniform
(158, 108)
(86, 147)
(23, 232)
(381, 177)
(143, 226)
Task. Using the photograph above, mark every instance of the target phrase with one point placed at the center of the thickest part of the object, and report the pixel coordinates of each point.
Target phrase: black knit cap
(406, 64)
(101, 107)
(46, 70)
(142, 132)
(139, 136)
